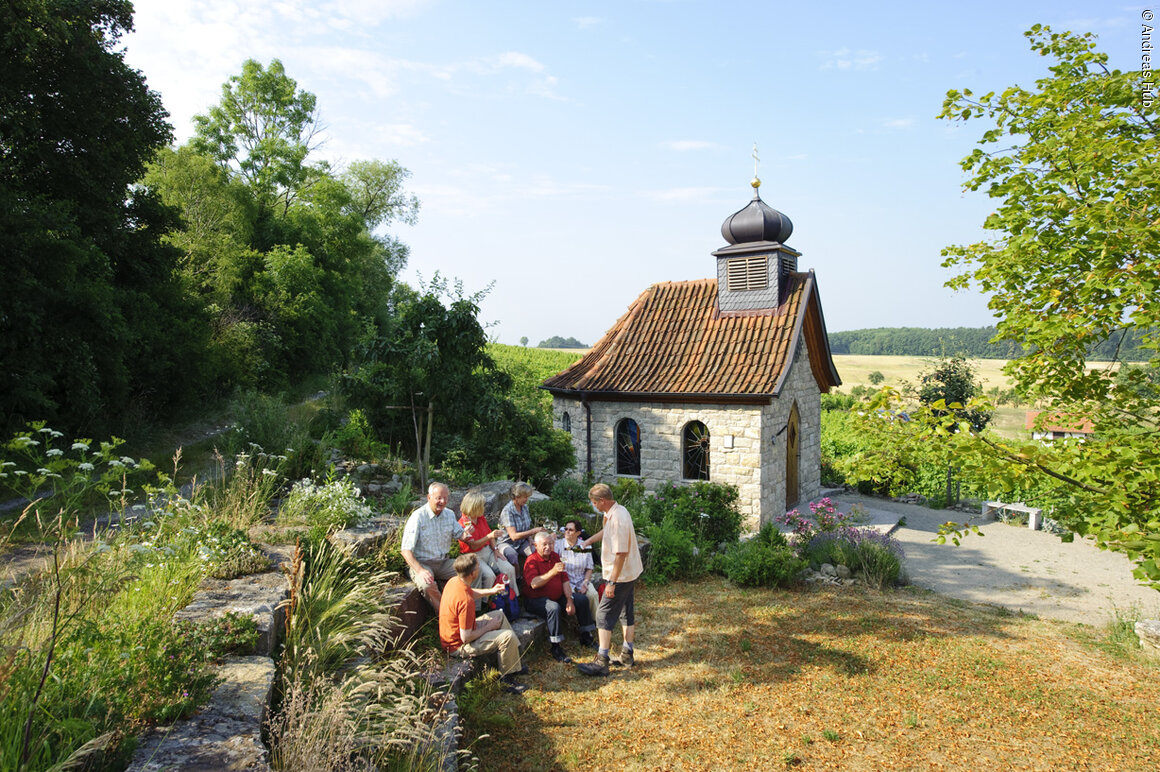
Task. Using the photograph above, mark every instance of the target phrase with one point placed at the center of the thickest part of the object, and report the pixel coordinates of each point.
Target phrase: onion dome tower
(751, 269)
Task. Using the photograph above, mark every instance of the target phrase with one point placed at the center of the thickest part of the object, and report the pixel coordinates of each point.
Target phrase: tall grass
(88, 654)
(345, 704)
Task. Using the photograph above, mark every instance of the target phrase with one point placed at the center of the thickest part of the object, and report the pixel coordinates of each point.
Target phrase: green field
(855, 369)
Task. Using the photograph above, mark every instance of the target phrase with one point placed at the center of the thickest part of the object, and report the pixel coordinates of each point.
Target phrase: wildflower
(269, 472)
(44, 471)
(85, 467)
(44, 430)
(115, 463)
(54, 434)
(80, 446)
(127, 461)
(54, 452)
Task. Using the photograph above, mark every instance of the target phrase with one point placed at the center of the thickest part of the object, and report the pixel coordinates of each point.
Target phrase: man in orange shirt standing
(463, 634)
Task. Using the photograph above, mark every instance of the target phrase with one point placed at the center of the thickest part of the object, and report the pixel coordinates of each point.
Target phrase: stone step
(258, 595)
(226, 734)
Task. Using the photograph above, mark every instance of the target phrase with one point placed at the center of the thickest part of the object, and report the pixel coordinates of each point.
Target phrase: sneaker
(626, 658)
(559, 653)
(597, 667)
(513, 688)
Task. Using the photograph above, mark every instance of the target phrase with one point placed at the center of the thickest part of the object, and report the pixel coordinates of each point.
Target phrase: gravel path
(1013, 567)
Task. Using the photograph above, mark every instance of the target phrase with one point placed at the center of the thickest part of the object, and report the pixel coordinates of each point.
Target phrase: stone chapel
(715, 379)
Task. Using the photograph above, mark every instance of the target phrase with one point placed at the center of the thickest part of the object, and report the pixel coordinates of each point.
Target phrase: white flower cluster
(336, 502)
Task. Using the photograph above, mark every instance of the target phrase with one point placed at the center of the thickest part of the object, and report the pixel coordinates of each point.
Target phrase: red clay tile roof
(1058, 422)
(673, 343)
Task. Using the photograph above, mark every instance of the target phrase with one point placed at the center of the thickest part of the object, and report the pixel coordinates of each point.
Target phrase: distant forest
(973, 342)
(557, 342)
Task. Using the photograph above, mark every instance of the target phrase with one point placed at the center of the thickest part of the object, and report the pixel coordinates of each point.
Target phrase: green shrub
(558, 511)
(211, 640)
(766, 560)
(829, 547)
(228, 551)
(265, 421)
(572, 491)
(673, 554)
(628, 492)
(707, 511)
(356, 438)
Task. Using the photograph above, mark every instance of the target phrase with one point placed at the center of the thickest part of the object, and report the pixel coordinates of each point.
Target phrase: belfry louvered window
(748, 273)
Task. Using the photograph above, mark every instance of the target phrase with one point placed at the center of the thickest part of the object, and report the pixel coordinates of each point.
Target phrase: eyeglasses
(569, 528)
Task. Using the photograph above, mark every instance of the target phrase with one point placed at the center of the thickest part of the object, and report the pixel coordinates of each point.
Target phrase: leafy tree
(876, 377)
(94, 328)
(263, 128)
(557, 342)
(947, 388)
(524, 341)
(282, 250)
(1074, 261)
(433, 351)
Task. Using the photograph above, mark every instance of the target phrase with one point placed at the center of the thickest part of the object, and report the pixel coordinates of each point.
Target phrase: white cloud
(584, 22)
(898, 123)
(685, 145)
(845, 59)
(509, 59)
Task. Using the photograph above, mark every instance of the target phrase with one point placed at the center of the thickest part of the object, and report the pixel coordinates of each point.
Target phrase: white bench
(1034, 514)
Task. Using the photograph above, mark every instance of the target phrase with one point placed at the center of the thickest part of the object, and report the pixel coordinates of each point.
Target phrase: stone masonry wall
(800, 387)
(755, 463)
(661, 427)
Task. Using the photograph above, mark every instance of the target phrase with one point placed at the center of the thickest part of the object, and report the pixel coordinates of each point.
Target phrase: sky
(567, 155)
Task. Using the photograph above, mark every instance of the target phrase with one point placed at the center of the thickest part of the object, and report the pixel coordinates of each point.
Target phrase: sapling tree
(1073, 261)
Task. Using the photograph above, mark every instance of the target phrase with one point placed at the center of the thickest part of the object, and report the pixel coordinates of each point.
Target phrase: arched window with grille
(566, 422)
(628, 447)
(695, 451)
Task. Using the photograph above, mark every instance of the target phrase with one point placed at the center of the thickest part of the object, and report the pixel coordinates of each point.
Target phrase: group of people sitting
(553, 577)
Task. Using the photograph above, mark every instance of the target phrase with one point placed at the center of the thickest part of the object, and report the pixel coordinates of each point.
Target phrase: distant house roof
(673, 344)
(1057, 422)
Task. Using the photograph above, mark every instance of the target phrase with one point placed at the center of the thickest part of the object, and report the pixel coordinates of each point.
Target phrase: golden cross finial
(756, 181)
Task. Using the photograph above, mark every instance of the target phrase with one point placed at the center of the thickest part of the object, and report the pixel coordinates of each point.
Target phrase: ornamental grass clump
(346, 702)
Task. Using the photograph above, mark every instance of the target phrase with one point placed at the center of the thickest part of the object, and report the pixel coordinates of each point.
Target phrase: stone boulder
(1148, 631)
(360, 540)
(257, 595)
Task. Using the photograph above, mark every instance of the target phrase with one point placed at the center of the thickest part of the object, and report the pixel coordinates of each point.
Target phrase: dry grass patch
(826, 679)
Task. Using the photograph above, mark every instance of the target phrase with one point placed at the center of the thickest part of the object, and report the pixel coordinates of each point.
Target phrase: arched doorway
(792, 454)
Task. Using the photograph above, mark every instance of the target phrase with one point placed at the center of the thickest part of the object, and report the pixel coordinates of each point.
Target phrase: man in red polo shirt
(547, 590)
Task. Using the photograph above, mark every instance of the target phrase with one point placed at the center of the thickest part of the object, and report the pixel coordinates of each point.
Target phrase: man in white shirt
(621, 565)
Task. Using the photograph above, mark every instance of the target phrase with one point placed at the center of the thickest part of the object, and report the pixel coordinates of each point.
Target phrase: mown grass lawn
(835, 679)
